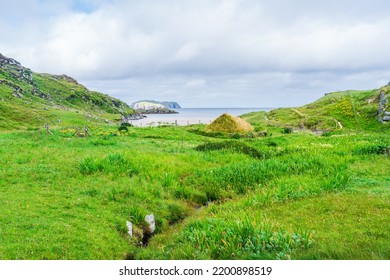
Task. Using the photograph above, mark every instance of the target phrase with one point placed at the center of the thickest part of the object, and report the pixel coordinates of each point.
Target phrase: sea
(188, 116)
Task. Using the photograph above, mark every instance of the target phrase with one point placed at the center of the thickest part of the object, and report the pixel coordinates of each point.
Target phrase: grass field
(214, 196)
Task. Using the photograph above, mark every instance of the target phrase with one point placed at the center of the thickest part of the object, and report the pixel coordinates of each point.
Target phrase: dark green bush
(287, 130)
(124, 126)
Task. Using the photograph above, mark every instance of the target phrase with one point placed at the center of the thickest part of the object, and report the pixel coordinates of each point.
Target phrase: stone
(386, 118)
(387, 113)
(152, 223)
(382, 116)
(17, 95)
(130, 228)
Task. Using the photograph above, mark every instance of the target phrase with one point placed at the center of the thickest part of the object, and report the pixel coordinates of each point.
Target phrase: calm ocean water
(189, 116)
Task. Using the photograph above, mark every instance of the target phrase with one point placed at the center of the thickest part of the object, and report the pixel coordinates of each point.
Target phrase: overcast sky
(204, 53)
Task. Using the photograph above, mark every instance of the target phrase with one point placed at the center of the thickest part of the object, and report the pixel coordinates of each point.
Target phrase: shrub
(287, 130)
(124, 126)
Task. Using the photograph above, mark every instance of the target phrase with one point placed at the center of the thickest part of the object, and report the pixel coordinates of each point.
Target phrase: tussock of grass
(113, 163)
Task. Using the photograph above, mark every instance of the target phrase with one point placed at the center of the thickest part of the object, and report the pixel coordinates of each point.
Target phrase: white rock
(130, 228)
(152, 224)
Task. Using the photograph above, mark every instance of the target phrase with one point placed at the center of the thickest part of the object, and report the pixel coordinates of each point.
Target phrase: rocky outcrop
(16, 69)
(66, 78)
(6, 60)
(18, 92)
(133, 117)
(161, 110)
(383, 110)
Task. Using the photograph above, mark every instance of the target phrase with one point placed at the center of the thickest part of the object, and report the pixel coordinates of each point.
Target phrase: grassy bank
(283, 196)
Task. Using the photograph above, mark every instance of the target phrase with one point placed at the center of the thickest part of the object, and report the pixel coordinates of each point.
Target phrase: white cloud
(192, 50)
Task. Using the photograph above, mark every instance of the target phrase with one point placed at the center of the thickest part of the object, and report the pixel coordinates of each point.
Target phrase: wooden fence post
(47, 129)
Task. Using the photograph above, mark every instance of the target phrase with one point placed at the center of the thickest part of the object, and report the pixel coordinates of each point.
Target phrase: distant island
(153, 104)
(144, 107)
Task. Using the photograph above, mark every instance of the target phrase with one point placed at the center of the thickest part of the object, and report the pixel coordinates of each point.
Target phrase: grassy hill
(345, 110)
(29, 99)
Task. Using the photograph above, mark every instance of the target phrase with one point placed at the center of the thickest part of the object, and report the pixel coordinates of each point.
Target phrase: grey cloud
(192, 50)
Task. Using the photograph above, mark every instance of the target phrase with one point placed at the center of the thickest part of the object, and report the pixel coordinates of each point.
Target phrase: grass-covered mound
(229, 124)
(337, 111)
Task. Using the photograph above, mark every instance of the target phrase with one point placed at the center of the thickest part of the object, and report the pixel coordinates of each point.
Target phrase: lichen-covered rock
(383, 110)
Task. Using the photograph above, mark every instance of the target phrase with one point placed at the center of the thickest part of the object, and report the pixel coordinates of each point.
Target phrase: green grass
(346, 111)
(280, 192)
(293, 196)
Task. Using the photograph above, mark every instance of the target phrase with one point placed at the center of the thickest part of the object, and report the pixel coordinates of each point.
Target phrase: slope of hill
(29, 99)
(345, 110)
